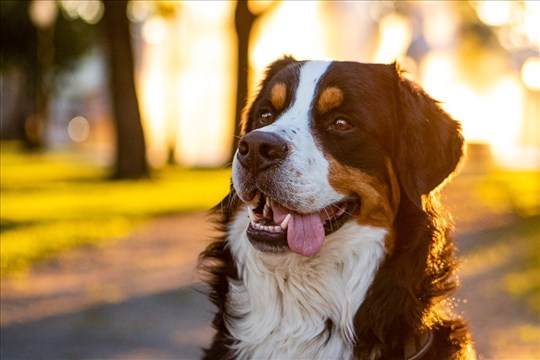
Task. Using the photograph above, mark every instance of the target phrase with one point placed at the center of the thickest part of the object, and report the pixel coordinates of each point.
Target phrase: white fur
(280, 305)
(304, 174)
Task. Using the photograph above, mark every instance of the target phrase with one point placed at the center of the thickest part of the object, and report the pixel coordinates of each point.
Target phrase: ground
(140, 298)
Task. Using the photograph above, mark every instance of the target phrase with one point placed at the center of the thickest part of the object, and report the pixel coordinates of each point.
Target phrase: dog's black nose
(259, 150)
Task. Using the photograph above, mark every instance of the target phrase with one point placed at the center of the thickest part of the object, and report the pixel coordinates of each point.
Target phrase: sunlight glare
(152, 85)
(530, 73)
(494, 13)
(154, 30)
(293, 29)
(184, 79)
(395, 35)
(208, 10)
(530, 23)
(204, 94)
(440, 24)
(438, 70)
(492, 115)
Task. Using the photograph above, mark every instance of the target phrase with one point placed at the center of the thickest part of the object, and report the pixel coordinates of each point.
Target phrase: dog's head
(327, 143)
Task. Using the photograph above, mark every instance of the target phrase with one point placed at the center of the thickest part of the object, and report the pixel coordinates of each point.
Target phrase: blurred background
(119, 120)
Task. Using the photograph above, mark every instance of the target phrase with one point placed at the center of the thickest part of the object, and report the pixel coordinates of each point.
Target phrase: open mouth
(275, 228)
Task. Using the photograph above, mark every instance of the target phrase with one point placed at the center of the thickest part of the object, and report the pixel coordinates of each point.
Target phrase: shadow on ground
(168, 325)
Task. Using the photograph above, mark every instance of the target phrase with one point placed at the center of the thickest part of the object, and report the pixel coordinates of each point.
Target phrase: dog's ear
(270, 72)
(429, 143)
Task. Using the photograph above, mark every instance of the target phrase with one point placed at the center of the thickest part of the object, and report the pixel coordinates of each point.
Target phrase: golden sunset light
(175, 185)
(187, 75)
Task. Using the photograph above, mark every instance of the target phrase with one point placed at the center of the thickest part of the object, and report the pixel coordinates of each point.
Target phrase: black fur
(216, 266)
(408, 293)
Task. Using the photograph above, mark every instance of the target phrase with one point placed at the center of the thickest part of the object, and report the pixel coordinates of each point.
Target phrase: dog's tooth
(285, 222)
(266, 210)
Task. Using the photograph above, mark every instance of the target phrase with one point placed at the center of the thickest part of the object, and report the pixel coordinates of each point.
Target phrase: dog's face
(327, 143)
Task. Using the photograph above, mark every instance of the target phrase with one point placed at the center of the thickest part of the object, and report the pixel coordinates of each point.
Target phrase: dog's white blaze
(310, 190)
(281, 303)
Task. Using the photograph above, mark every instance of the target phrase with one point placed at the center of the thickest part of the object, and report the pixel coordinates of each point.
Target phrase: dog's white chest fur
(292, 307)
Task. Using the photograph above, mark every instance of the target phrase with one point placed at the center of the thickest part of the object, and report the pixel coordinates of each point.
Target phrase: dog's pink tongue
(305, 232)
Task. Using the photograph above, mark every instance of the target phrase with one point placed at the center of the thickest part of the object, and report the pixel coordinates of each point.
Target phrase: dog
(334, 244)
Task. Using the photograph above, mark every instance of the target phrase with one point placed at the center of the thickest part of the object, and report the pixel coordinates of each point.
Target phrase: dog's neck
(287, 305)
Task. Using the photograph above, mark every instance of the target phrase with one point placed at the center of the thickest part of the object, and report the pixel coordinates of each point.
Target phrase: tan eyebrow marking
(330, 98)
(278, 96)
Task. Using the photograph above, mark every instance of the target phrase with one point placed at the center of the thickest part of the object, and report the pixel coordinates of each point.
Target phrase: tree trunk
(42, 81)
(243, 21)
(130, 144)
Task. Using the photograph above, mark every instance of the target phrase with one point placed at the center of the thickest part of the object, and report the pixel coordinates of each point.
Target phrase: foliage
(54, 201)
(72, 38)
(17, 34)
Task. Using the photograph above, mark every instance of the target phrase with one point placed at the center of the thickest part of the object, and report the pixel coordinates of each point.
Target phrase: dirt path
(135, 299)
(503, 326)
(138, 299)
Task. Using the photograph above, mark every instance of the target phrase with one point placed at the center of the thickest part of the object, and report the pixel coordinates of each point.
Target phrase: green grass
(54, 201)
(524, 281)
(518, 193)
(511, 191)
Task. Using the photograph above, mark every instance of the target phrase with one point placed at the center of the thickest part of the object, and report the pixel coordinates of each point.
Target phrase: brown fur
(278, 96)
(330, 98)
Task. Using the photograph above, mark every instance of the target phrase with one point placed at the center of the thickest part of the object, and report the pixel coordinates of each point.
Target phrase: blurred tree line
(38, 50)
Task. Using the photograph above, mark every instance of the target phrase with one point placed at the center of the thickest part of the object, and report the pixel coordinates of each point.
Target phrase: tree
(130, 143)
(244, 19)
(36, 55)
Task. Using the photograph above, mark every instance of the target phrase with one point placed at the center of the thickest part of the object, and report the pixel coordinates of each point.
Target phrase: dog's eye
(266, 118)
(340, 125)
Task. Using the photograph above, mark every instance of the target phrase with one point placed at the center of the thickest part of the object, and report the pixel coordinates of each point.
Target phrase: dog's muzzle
(258, 151)
(263, 182)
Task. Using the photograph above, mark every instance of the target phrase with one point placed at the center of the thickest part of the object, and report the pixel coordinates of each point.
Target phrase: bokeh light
(43, 12)
(187, 77)
(530, 73)
(154, 30)
(90, 11)
(78, 129)
(495, 13)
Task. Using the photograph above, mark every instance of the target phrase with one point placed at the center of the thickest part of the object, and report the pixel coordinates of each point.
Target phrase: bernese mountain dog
(334, 245)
